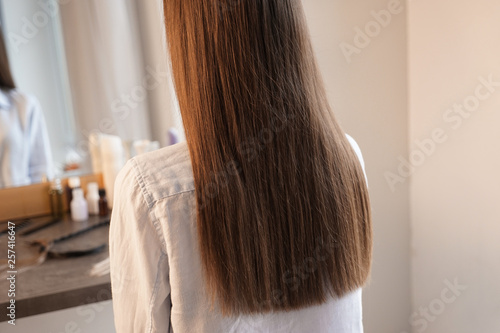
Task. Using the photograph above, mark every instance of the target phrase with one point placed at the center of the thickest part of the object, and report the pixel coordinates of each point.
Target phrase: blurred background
(96, 67)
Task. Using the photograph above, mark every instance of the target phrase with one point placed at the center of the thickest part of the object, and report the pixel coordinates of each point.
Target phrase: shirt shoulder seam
(150, 203)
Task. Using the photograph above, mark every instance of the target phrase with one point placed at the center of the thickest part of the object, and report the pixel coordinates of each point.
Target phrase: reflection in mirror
(41, 96)
(96, 68)
(25, 153)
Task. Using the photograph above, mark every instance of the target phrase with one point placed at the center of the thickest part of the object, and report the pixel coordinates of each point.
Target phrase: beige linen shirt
(156, 271)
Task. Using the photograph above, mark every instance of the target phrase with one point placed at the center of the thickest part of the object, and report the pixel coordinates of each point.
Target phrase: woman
(261, 222)
(25, 155)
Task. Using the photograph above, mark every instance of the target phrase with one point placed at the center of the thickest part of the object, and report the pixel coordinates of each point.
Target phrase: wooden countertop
(56, 283)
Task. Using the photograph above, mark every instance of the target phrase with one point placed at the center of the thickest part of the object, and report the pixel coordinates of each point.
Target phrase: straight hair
(283, 213)
(6, 79)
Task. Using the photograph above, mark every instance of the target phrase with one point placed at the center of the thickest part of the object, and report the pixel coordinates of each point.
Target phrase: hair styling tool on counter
(45, 248)
(19, 225)
(39, 227)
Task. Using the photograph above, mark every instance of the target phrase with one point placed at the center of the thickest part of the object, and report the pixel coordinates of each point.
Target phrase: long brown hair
(283, 211)
(6, 80)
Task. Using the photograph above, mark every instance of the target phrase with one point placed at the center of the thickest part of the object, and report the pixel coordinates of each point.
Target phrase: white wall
(369, 97)
(163, 105)
(106, 67)
(455, 189)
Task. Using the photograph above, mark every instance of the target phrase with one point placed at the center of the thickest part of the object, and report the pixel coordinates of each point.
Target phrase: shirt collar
(5, 101)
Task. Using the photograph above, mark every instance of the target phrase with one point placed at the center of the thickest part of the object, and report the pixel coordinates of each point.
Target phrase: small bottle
(103, 203)
(93, 198)
(56, 199)
(79, 208)
(73, 182)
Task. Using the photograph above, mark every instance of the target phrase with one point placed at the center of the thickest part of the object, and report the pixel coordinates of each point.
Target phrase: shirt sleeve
(138, 262)
(40, 156)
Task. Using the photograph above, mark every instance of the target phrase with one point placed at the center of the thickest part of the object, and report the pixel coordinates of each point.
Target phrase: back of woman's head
(282, 205)
(6, 80)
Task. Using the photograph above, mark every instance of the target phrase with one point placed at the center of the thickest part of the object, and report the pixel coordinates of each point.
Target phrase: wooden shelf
(33, 200)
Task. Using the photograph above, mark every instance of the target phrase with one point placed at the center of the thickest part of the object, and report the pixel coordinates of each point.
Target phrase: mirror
(37, 64)
(86, 67)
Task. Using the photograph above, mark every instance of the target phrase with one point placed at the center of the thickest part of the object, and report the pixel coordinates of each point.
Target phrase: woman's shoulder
(19, 95)
(25, 105)
(25, 102)
(356, 148)
(162, 173)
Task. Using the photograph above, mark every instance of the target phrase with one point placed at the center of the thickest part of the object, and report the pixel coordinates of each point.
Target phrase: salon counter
(57, 283)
